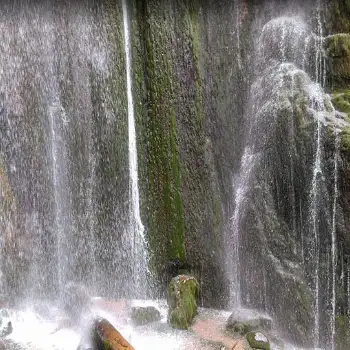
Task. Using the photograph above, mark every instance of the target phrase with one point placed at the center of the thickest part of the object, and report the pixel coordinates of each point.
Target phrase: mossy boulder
(182, 301)
(337, 48)
(106, 337)
(258, 340)
(144, 315)
(341, 102)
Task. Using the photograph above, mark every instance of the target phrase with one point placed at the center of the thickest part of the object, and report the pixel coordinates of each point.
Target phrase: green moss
(337, 48)
(338, 45)
(345, 139)
(182, 301)
(341, 102)
(342, 327)
(256, 344)
(159, 159)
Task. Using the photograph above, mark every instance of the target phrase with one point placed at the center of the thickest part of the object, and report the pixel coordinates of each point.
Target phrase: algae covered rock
(337, 48)
(257, 340)
(341, 102)
(106, 337)
(182, 301)
(143, 315)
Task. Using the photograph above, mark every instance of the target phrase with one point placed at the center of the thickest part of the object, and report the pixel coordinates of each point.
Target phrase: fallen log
(106, 337)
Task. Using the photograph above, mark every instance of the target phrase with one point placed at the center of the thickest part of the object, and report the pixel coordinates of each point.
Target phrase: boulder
(182, 301)
(144, 315)
(106, 337)
(6, 330)
(75, 301)
(242, 321)
(258, 340)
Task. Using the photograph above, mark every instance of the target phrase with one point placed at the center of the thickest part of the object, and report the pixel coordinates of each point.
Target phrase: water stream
(334, 239)
(139, 247)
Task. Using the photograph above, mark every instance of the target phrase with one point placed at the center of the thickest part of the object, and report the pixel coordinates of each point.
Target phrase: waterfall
(316, 178)
(317, 172)
(241, 186)
(334, 237)
(139, 251)
(59, 183)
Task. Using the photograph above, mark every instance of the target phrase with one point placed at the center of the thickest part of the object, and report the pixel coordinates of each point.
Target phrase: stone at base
(258, 340)
(144, 315)
(182, 301)
(244, 321)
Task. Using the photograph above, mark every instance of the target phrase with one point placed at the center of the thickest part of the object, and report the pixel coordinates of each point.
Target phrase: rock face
(182, 301)
(106, 337)
(144, 315)
(197, 86)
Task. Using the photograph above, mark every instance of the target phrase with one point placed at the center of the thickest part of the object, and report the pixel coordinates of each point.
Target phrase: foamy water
(34, 332)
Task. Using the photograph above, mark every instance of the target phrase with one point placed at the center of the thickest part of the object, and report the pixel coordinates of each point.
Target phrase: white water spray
(317, 172)
(136, 226)
(334, 238)
(242, 188)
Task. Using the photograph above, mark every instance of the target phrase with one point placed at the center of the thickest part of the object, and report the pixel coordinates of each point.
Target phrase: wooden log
(106, 337)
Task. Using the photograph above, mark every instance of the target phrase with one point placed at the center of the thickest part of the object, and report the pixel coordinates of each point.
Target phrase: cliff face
(239, 150)
(200, 89)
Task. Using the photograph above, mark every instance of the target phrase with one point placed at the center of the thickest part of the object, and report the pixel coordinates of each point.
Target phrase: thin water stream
(139, 246)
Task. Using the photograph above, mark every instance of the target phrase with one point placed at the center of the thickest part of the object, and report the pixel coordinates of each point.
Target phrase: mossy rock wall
(179, 187)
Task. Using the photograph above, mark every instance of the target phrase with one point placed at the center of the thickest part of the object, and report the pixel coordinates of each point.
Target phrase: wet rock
(182, 301)
(176, 267)
(144, 315)
(211, 332)
(337, 47)
(76, 301)
(241, 344)
(244, 321)
(258, 340)
(6, 330)
(3, 314)
(106, 337)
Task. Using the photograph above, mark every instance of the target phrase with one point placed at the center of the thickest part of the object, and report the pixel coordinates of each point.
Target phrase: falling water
(237, 21)
(334, 238)
(317, 172)
(241, 189)
(136, 226)
(57, 179)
